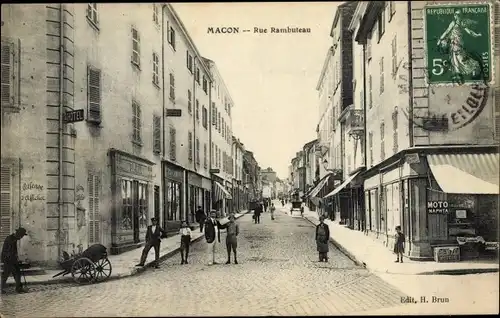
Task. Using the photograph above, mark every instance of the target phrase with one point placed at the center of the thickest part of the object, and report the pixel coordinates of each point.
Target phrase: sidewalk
(123, 265)
(373, 255)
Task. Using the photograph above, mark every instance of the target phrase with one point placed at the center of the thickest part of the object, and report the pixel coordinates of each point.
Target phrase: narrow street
(277, 274)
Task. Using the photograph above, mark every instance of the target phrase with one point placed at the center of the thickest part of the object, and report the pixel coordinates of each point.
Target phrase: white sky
(271, 77)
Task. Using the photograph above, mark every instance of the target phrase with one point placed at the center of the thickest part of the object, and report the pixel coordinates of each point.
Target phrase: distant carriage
(91, 266)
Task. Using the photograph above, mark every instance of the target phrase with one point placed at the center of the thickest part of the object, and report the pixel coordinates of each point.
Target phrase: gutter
(61, 128)
(194, 114)
(365, 111)
(163, 76)
(410, 76)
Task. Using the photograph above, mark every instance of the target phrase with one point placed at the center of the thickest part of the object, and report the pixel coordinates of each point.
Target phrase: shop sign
(437, 207)
(174, 174)
(194, 179)
(124, 165)
(447, 254)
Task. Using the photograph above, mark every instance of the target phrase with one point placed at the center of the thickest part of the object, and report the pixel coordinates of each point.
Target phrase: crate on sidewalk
(446, 254)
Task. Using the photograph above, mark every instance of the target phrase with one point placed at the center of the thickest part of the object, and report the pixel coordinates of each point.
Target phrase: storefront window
(177, 194)
(143, 205)
(127, 206)
(461, 215)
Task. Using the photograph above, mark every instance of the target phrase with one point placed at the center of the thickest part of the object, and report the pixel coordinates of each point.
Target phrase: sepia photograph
(250, 158)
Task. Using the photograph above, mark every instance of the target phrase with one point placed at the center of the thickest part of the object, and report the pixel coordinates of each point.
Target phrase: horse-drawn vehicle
(90, 266)
(296, 206)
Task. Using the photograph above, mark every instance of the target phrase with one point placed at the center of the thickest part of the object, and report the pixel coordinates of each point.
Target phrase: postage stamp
(459, 43)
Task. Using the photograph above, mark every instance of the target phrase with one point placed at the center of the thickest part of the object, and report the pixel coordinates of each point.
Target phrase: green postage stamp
(458, 43)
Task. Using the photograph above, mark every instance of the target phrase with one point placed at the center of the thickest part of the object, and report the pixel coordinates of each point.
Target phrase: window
(190, 102)
(214, 114)
(392, 9)
(93, 184)
(172, 87)
(223, 128)
(381, 24)
(197, 147)
(156, 134)
(136, 123)
(92, 16)
(370, 95)
(173, 144)
(370, 146)
(394, 46)
(205, 161)
(204, 117)
(197, 75)
(225, 106)
(6, 197)
(395, 137)
(220, 157)
(361, 100)
(219, 127)
(216, 157)
(190, 146)
(171, 37)
(381, 64)
(205, 84)
(156, 69)
(10, 79)
(93, 95)
(369, 47)
(189, 62)
(382, 141)
(156, 15)
(213, 153)
(229, 110)
(197, 110)
(136, 47)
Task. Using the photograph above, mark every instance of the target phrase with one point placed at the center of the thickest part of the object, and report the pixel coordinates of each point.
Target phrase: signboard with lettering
(174, 173)
(447, 254)
(126, 165)
(173, 112)
(437, 207)
(74, 116)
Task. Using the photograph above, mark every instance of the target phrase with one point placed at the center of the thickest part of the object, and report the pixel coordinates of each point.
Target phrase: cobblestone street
(278, 274)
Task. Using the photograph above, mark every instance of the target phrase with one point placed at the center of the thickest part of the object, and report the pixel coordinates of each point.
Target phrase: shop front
(220, 196)
(229, 199)
(131, 189)
(198, 189)
(173, 182)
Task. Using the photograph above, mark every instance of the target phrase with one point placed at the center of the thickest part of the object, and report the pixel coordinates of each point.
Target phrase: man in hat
(153, 239)
(10, 259)
(212, 228)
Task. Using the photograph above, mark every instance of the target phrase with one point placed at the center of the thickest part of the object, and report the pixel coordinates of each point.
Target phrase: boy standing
(232, 230)
(185, 233)
(399, 244)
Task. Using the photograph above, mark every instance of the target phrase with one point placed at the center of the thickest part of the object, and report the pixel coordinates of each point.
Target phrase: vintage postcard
(250, 158)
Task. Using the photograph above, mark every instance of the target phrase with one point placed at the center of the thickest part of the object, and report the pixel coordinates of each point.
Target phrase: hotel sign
(437, 207)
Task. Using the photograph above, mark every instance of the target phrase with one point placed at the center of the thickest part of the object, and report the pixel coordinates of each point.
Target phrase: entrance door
(157, 201)
(136, 212)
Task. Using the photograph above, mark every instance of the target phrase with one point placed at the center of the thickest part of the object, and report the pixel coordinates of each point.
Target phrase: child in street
(185, 233)
(399, 244)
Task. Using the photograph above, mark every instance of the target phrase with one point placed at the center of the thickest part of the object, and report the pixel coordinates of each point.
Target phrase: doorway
(157, 202)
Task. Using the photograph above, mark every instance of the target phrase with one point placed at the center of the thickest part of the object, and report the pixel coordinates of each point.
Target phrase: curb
(133, 272)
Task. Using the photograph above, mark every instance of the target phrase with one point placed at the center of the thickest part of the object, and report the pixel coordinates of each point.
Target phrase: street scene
(214, 159)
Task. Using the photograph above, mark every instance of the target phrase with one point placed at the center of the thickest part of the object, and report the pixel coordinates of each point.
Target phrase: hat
(21, 231)
(154, 219)
(213, 211)
(321, 217)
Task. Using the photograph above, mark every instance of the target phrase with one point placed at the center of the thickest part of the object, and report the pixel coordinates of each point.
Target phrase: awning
(342, 186)
(314, 192)
(466, 173)
(221, 192)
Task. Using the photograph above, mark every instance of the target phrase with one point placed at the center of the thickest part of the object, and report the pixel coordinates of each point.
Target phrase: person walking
(212, 236)
(266, 204)
(200, 218)
(272, 209)
(185, 233)
(322, 238)
(154, 233)
(10, 260)
(399, 244)
(232, 231)
(257, 212)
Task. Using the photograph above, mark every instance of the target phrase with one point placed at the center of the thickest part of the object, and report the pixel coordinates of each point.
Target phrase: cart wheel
(83, 271)
(103, 269)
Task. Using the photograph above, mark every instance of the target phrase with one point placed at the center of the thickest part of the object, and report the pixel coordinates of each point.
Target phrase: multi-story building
(252, 170)
(221, 140)
(432, 157)
(239, 188)
(269, 175)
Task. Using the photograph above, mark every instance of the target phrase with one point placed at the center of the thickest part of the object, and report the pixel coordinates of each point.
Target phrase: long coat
(322, 240)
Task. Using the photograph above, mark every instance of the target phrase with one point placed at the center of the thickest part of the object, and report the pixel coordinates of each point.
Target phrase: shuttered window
(5, 203)
(197, 150)
(156, 69)
(172, 87)
(92, 15)
(190, 146)
(10, 64)
(205, 161)
(94, 183)
(173, 144)
(382, 78)
(394, 46)
(136, 47)
(382, 141)
(156, 134)
(370, 91)
(190, 102)
(94, 95)
(214, 114)
(136, 122)
(370, 147)
(204, 117)
(395, 128)
(197, 111)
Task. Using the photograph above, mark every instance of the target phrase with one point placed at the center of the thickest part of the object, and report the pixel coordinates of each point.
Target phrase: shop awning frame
(314, 192)
(466, 173)
(342, 186)
(221, 192)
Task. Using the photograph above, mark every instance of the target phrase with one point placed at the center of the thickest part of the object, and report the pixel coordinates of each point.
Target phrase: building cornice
(368, 21)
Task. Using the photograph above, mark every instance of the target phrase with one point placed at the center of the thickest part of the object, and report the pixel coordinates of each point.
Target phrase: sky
(271, 78)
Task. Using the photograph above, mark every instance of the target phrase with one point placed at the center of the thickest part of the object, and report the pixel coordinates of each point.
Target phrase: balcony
(355, 123)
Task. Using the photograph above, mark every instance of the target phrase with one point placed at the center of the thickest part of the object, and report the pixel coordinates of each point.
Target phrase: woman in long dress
(322, 239)
(461, 60)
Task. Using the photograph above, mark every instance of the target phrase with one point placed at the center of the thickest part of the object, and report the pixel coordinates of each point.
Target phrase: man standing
(200, 218)
(212, 228)
(232, 231)
(153, 239)
(10, 260)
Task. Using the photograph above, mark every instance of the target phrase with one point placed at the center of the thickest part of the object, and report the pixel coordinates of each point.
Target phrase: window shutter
(7, 74)
(97, 212)
(90, 185)
(173, 144)
(5, 204)
(94, 95)
(190, 146)
(157, 134)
